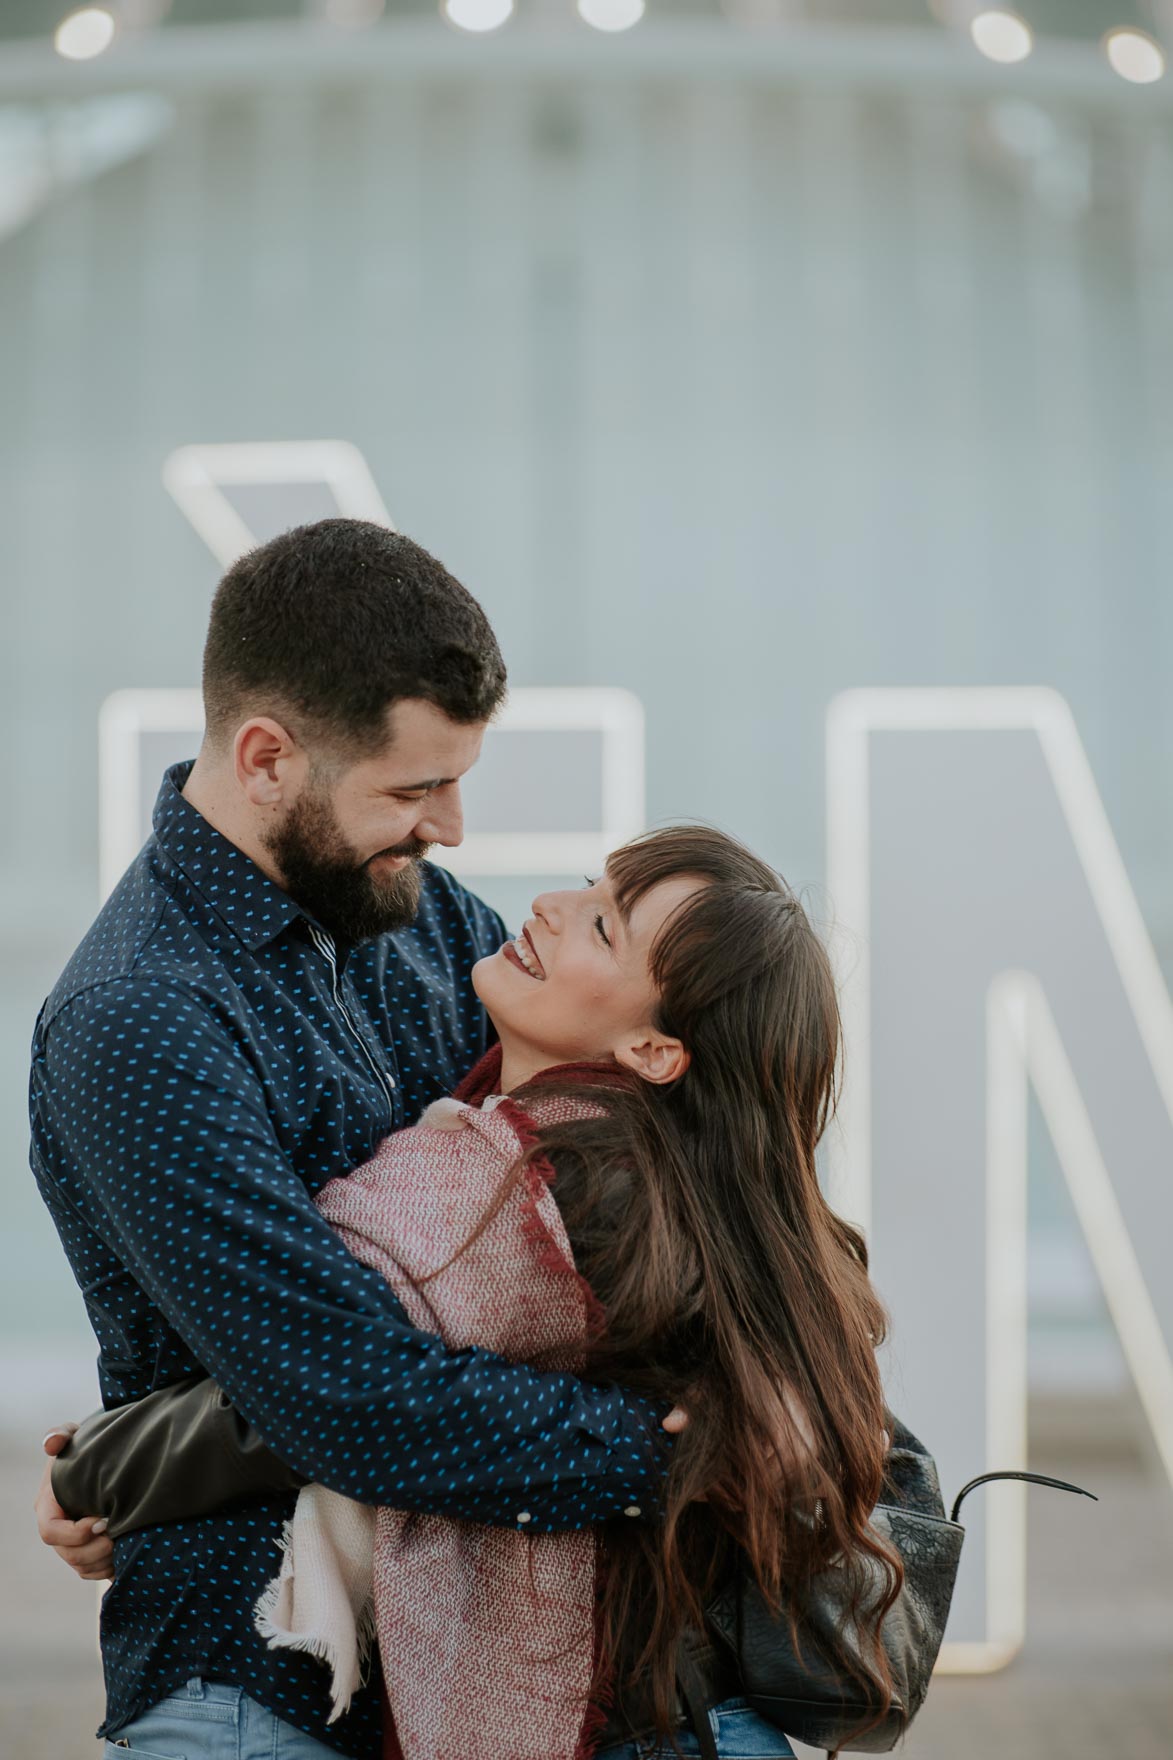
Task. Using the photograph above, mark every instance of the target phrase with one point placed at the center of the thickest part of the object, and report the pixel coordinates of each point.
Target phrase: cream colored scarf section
(322, 1601)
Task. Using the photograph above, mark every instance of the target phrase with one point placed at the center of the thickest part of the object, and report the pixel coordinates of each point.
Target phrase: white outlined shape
(1023, 1044)
(618, 717)
(1026, 1052)
(123, 719)
(128, 716)
(196, 476)
(1032, 1031)
(1007, 1124)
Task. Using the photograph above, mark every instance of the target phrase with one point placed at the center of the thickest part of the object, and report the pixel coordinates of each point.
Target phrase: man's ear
(266, 759)
(657, 1058)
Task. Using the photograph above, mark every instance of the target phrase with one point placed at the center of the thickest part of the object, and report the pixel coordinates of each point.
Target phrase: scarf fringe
(315, 1644)
(266, 1607)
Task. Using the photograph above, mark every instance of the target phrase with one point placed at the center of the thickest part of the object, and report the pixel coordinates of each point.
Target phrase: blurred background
(732, 352)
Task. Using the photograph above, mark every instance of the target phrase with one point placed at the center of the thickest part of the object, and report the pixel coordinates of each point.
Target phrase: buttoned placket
(325, 946)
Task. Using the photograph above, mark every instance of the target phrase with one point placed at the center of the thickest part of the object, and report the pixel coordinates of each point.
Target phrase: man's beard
(321, 871)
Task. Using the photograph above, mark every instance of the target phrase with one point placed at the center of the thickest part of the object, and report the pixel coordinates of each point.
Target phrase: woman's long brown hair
(728, 1283)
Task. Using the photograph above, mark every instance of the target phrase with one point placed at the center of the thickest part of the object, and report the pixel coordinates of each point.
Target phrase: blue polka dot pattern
(196, 1079)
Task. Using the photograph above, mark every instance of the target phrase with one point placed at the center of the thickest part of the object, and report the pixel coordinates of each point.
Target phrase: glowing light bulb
(611, 15)
(84, 34)
(478, 15)
(1135, 56)
(1002, 36)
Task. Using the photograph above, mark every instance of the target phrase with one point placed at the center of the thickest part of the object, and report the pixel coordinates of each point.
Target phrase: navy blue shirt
(206, 1062)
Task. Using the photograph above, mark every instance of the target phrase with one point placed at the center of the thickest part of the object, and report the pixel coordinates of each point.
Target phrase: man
(277, 982)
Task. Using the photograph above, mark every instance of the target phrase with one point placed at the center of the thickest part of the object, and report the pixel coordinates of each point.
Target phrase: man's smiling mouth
(521, 953)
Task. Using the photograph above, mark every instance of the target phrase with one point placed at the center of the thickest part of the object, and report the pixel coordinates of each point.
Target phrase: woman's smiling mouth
(521, 953)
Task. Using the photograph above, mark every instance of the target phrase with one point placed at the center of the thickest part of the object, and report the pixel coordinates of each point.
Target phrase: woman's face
(575, 985)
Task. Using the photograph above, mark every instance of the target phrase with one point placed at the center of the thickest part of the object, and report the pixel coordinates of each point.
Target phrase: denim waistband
(216, 1701)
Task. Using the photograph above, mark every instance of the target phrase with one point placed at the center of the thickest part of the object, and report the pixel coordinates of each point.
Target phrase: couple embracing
(467, 1305)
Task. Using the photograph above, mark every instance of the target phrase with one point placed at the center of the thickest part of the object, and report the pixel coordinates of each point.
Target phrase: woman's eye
(589, 881)
(602, 931)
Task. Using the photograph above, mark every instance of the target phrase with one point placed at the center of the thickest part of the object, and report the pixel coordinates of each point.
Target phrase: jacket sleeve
(199, 1202)
(182, 1451)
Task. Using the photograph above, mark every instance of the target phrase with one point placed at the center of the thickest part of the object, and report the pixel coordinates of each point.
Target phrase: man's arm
(201, 1205)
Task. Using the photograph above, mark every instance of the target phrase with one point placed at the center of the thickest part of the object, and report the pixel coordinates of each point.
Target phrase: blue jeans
(740, 1734)
(207, 1720)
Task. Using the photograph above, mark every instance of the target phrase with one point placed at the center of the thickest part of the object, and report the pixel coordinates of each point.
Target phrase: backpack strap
(692, 1691)
(1030, 1478)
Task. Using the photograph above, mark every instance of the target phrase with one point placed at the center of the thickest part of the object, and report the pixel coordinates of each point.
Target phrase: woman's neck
(519, 1064)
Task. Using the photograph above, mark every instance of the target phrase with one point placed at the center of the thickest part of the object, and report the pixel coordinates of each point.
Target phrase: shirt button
(633, 1509)
(525, 1516)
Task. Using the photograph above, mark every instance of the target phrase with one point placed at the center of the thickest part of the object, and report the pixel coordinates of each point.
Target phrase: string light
(1135, 56)
(1002, 36)
(84, 34)
(611, 15)
(478, 15)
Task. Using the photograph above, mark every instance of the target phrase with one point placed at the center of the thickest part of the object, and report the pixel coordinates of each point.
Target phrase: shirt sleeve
(162, 1139)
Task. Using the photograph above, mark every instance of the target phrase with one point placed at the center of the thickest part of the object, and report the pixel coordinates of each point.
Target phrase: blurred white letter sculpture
(238, 496)
(993, 940)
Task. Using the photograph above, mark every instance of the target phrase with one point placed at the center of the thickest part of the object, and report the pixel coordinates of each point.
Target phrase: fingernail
(51, 1433)
(100, 1527)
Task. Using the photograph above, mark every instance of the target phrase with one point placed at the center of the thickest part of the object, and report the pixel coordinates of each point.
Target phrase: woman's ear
(656, 1059)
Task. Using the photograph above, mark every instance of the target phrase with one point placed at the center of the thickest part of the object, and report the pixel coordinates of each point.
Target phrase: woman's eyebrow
(621, 911)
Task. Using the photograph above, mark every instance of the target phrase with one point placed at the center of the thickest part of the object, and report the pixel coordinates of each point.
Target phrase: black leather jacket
(182, 1451)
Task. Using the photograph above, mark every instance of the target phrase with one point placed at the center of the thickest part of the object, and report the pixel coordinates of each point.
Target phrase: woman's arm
(182, 1451)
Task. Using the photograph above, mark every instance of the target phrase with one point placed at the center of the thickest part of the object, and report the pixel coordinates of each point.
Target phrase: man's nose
(443, 820)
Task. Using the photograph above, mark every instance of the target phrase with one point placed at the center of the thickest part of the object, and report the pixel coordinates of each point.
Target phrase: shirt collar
(253, 906)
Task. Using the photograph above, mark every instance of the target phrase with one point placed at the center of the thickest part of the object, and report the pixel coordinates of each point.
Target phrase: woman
(644, 1204)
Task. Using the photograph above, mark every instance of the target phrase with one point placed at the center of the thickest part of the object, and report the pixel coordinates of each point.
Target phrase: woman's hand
(676, 1421)
(84, 1545)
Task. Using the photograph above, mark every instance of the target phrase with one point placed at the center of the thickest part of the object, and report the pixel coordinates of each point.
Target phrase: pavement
(1095, 1677)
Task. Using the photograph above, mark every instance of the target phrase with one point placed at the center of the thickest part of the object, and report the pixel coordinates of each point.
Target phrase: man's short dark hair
(330, 624)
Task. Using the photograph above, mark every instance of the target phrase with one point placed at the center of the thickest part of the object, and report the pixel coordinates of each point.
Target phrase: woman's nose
(549, 908)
